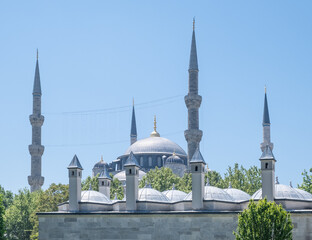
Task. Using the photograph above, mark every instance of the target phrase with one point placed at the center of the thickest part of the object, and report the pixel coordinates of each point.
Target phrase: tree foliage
(2, 227)
(185, 183)
(17, 217)
(90, 181)
(161, 179)
(264, 220)
(116, 188)
(307, 181)
(7, 197)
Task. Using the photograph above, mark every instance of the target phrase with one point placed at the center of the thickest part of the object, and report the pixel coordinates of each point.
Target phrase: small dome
(237, 195)
(285, 192)
(213, 193)
(121, 176)
(155, 145)
(93, 196)
(175, 195)
(149, 194)
(174, 159)
(100, 164)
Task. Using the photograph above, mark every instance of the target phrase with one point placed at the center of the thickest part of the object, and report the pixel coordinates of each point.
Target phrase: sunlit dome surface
(150, 194)
(121, 176)
(155, 145)
(237, 194)
(93, 196)
(175, 195)
(285, 192)
(213, 193)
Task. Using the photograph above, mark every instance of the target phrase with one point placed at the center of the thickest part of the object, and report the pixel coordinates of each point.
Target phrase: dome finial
(102, 158)
(173, 186)
(230, 184)
(276, 182)
(90, 187)
(290, 184)
(208, 183)
(115, 197)
(155, 133)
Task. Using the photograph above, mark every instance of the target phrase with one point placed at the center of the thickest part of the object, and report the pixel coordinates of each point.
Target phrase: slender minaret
(193, 135)
(197, 164)
(35, 180)
(266, 126)
(267, 160)
(133, 133)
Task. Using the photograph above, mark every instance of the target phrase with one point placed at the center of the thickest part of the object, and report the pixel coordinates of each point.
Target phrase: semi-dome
(213, 193)
(149, 194)
(285, 192)
(174, 195)
(237, 194)
(93, 196)
(121, 176)
(155, 144)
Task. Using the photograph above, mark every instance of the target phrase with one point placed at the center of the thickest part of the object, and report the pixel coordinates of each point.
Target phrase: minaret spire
(266, 124)
(193, 101)
(35, 180)
(133, 133)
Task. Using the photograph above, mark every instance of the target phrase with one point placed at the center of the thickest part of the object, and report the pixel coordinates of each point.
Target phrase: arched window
(159, 161)
(266, 165)
(130, 171)
(102, 183)
(150, 161)
(196, 168)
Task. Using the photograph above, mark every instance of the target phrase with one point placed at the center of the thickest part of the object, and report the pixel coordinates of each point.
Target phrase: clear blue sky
(95, 56)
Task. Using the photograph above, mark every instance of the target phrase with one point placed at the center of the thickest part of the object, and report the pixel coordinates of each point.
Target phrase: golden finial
(155, 133)
(37, 54)
(265, 89)
(102, 158)
(193, 23)
(155, 123)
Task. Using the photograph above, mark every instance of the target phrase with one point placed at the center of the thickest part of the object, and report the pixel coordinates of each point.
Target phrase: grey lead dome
(155, 145)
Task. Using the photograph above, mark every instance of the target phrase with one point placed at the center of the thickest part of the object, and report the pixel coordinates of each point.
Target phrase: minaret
(133, 133)
(35, 180)
(268, 173)
(266, 126)
(193, 135)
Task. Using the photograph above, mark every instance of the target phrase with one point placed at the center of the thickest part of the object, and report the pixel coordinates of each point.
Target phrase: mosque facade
(207, 212)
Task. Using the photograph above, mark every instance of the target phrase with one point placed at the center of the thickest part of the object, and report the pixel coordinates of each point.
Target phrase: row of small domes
(211, 193)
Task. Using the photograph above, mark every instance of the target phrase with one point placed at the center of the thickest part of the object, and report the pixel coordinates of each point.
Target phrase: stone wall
(164, 226)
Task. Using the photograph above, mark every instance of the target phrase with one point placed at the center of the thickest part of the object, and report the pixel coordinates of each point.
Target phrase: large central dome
(155, 145)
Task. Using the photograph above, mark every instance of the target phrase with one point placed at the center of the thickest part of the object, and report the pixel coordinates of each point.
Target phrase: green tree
(161, 179)
(17, 216)
(47, 202)
(85, 185)
(247, 180)
(215, 179)
(307, 181)
(7, 197)
(264, 220)
(185, 183)
(2, 227)
(116, 188)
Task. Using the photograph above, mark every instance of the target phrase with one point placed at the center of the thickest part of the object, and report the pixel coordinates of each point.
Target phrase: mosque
(207, 212)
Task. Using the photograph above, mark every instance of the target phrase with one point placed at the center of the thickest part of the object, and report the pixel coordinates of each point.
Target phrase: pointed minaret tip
(265, 90)
(37, 54)
(193, 23)
(193, 56)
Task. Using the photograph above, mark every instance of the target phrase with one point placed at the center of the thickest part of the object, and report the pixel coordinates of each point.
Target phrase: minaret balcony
(36, 150)
(192, 101)
(193, 135)
(36, 120)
